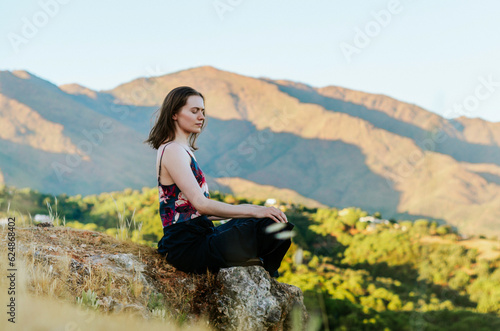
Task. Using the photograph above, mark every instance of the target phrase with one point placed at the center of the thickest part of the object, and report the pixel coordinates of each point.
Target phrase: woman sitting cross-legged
(254, 235)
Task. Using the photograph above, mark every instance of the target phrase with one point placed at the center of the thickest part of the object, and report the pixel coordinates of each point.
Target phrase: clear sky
(436, 54)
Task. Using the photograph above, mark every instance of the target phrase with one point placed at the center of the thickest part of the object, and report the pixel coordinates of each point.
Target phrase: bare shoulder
(174, 152)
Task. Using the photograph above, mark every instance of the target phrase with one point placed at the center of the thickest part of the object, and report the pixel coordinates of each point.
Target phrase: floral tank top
(174, 206)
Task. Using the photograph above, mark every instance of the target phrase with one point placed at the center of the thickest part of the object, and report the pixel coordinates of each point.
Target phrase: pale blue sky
(431, 53)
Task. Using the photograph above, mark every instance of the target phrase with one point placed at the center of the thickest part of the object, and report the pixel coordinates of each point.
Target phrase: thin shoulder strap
(163, 151)
(159, 166)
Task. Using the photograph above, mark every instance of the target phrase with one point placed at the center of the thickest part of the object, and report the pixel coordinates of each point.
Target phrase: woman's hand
(272, 212)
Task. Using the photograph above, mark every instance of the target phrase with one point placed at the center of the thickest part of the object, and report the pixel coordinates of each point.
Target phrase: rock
(236, 298)
(123, 265)
(252, 300)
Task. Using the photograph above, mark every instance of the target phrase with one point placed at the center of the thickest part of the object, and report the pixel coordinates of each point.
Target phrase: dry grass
(487, 249)
(57, 282)
(53, 270)
(45, 313)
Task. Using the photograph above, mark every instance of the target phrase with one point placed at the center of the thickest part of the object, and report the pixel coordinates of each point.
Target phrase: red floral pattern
(174, 206)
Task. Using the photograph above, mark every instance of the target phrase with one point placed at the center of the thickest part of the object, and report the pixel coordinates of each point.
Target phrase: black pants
(197, 245)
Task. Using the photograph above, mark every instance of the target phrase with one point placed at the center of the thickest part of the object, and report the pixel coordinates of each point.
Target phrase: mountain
(336, 146)
(54, 143)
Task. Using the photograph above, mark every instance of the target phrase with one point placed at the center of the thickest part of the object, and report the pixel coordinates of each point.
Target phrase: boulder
(251, 300)
(131, 278)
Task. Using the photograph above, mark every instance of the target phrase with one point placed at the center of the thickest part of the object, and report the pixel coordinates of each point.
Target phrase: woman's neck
(182, 139)
(183, 143)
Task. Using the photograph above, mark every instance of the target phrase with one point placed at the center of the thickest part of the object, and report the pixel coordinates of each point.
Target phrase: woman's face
(191, 117)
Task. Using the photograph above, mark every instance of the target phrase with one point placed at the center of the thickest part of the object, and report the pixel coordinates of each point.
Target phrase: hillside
(355, 148)
(114, 276)
(57, 144)
(354, 274)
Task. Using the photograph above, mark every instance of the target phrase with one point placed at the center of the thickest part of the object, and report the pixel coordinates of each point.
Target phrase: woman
(191, 242)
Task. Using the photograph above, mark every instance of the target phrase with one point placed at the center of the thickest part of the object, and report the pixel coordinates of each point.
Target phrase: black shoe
(275, 274)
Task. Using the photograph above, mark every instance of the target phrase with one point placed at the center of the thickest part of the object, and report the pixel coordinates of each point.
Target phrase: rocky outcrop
(130, 278)
(252, 300)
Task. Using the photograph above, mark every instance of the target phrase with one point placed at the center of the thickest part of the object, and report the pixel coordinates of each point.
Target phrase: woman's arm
(206, 206)
(178, 166)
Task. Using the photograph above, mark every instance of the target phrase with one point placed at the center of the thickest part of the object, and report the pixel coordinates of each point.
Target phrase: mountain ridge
(354, 149)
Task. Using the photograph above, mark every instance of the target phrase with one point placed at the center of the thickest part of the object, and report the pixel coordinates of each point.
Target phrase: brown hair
(164, 128)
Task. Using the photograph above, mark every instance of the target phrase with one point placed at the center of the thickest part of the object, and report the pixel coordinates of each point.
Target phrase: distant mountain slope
(22, 125)
(479, 131)
(48, 161)
(394, 141)
(336, 146)
(469, 140)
